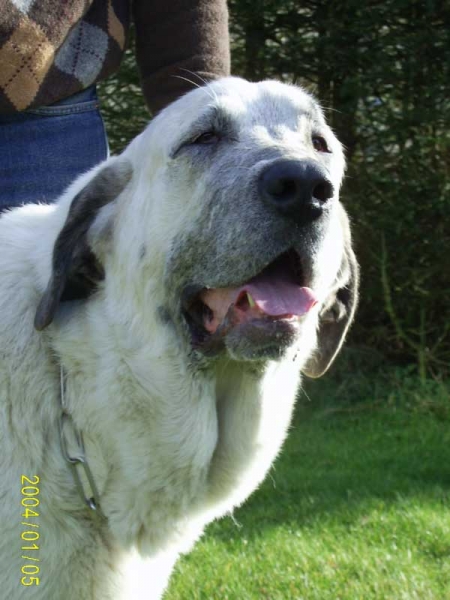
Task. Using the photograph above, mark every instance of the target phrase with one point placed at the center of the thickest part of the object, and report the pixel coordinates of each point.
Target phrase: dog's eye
(320, 144)
(209, 137)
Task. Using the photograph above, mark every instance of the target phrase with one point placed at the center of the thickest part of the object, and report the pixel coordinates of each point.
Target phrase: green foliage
(361, 376)
(123, 108)
(381, 70)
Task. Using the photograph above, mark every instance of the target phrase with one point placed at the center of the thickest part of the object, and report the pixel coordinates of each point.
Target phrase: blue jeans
(44, 149)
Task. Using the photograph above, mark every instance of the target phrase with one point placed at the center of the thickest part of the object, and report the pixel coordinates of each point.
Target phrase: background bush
(381, 71)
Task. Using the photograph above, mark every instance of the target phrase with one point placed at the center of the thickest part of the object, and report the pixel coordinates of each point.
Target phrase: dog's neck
(137, 410)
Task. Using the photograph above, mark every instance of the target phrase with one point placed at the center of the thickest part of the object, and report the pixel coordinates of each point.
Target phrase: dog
(155, 325)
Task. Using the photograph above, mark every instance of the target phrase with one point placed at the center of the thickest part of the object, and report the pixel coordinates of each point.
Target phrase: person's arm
(179, 38)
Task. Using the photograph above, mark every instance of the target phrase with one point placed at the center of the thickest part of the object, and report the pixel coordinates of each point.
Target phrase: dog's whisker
(202, 79)
(194, 83)
(303, 391)
(205, 88)
(235, 521)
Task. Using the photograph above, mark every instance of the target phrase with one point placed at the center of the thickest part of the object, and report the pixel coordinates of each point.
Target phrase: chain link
(89, 497)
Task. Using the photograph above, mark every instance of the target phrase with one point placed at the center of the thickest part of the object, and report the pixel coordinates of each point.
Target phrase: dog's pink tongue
(268, 297)
(280, 298)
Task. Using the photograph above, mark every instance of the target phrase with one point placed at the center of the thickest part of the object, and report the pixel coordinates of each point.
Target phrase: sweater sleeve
(179, 38)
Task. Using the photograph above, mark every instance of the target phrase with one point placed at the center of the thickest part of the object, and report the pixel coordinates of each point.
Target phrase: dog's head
(231, 210)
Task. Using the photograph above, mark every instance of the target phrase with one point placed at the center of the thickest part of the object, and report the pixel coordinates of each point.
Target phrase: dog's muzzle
(266, 309)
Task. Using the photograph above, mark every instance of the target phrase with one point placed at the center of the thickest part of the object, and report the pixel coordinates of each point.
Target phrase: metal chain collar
(89, 496)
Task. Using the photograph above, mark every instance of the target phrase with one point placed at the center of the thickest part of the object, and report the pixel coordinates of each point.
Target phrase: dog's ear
(76, 269)
(336, 315)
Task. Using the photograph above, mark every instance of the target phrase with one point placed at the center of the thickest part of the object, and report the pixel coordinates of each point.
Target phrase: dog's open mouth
(261, 307)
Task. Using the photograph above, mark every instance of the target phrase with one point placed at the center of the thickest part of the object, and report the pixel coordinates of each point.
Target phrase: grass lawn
(356, 507)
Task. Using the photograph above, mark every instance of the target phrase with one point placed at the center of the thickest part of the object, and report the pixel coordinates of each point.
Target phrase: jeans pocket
(83, 101)
(62, 110)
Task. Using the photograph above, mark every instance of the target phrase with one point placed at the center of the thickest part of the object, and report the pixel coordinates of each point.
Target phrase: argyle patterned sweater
(51, 49)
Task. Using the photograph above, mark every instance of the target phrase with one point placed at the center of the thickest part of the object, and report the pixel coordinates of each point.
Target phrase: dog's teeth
(250, 301)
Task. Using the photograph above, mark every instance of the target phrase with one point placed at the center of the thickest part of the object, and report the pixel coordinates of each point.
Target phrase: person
(52, 53)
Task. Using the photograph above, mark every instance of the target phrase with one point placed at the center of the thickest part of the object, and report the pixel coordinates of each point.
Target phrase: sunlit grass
(356, 507)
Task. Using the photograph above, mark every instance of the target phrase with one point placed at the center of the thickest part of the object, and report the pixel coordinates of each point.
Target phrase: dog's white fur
(171, 448)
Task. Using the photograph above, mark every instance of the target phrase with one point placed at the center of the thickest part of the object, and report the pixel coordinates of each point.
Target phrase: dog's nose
(297, 190)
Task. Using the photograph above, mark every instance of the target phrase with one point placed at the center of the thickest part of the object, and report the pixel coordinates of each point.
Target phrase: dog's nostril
(323, 191)
(282, 189)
